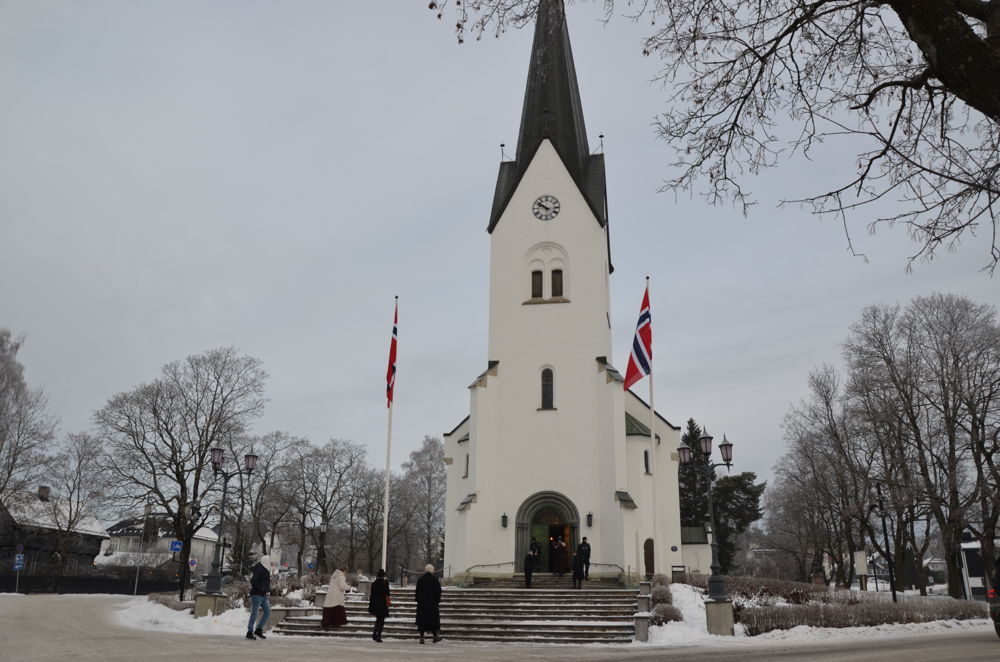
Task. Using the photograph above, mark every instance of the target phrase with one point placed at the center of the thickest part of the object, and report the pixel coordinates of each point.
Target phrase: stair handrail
(487, 565)
(406, 572)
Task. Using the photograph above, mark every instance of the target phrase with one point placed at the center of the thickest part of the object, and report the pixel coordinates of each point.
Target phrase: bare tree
(158, 435)
(74, 473)
(425, 475)
(913, 85)
(26, 429)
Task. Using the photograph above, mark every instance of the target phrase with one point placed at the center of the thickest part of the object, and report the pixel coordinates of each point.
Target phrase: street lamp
(716, 582)
(214, 583)
(321, 565)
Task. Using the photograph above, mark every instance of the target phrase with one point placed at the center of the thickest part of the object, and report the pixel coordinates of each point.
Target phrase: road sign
(176, 545)
(18, 562)
(193, 563)
(310, 567)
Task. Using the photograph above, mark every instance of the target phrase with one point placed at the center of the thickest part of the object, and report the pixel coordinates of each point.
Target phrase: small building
(36, 524)
(125, 545)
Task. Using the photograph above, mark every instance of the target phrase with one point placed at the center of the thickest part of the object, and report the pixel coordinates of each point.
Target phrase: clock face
(545, 207)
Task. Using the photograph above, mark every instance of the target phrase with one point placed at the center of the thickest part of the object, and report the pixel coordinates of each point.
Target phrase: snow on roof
(133, 526)
(133, 559)
(29, 510)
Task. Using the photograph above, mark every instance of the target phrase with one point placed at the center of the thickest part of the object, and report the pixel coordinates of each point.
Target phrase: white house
(553, 445)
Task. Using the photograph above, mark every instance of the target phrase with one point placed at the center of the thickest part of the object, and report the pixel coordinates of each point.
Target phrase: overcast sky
(177, 176)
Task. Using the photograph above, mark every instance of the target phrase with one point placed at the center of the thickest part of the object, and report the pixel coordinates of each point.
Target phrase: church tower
(547, 449)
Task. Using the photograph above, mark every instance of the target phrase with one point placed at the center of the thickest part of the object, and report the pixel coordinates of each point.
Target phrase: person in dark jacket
(378, 604)
(428, 595)
(578, 573)
(584, 550)
(529, 567)
(260, 586)
(536, 551)
(562, 557)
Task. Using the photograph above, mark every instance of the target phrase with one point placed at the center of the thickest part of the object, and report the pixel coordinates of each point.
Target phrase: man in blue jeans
(260, 586)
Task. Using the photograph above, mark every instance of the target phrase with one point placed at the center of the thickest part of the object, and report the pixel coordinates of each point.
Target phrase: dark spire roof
(552, 110)
(552, 106)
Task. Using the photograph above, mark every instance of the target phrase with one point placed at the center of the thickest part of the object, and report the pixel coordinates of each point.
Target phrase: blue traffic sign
(176, 545)
(18, 562)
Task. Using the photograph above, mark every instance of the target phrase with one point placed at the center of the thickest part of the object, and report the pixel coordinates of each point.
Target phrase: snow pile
(807, 633)
(693, 629)
(146, 615)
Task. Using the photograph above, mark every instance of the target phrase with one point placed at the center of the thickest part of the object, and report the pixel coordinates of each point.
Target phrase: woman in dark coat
(378, 604)
(562, 557)
(428, 594)
(578, 573)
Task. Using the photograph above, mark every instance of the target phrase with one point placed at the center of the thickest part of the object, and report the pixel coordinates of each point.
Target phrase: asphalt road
(57, 628)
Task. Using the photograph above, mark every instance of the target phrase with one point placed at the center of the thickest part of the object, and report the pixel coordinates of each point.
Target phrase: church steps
(519, 615)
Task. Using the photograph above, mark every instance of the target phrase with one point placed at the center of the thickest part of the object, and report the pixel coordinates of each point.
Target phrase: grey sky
(177, 176)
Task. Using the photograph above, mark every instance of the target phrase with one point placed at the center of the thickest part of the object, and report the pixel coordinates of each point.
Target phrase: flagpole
(657, 540)
(388, 436)
(385, 497)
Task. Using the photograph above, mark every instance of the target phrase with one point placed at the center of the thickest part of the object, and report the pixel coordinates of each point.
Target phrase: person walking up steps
(260, 586)
(334, 613)
(577, 570)
(529, 567)
(378, 604)
(584, 549)
(428, 594)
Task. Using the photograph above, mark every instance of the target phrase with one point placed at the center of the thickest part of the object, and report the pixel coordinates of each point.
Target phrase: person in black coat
(428, 595)
(378, 604)
(584, 549)
(260, 587)
(529, 567)
(578, 573)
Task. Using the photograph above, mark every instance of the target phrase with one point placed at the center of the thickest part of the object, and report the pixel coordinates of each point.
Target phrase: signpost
(176, 545)
(310, 567)
(193, 563)
(18, 567)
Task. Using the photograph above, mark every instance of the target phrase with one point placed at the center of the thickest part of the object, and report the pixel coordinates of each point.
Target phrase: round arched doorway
(545, 517)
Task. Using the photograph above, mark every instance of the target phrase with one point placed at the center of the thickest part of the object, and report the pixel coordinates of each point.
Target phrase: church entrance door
(544, 518)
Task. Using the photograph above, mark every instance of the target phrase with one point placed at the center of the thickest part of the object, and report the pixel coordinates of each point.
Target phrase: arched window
(536, 284)
(547, 389)
(557, 283)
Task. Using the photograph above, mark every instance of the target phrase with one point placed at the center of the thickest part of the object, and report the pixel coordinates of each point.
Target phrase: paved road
(50, 628)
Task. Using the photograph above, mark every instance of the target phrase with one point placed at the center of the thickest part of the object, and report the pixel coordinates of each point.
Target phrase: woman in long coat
(378, 604)
(334, 613)
(428, 594)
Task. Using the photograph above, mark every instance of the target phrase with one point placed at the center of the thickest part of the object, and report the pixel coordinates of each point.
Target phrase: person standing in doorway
(260, 587)
(584, 550)
(378, 604)
(529, 567)
(577, 570)
(562, 557)
(334, 612)
(428, 595)
(536, 551)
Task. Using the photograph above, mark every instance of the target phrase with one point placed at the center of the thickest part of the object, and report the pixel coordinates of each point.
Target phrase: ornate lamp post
(879, 506)
(214, 583)
(716, 582)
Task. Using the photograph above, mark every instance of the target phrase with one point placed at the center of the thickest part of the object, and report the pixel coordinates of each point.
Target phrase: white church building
(553, 445)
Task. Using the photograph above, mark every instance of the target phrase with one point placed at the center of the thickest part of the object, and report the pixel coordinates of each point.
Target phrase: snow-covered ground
(692, 631)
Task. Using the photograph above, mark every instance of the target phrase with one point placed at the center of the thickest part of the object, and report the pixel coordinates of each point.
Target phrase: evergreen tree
(737, 506)
(693, 479)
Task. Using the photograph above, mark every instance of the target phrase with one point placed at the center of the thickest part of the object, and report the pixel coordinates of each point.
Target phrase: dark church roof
(552, 110)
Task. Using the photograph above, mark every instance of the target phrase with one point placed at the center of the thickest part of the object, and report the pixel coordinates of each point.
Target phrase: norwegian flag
(641, 361)
(390, 375)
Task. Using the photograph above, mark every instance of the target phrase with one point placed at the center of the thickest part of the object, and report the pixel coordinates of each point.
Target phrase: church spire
(552, 107)
(552, 110)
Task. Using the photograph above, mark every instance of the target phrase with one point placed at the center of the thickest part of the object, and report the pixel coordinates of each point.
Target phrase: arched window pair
(537, 282)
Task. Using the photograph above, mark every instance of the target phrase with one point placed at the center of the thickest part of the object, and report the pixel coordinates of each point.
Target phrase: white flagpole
(388, 448)
(657, 540)
(385, 497)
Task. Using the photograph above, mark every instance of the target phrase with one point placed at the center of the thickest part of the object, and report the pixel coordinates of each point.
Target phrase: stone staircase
(547, 613)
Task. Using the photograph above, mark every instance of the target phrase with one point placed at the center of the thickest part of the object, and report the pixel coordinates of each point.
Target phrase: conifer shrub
(661, 595)
(660, 580)
(664, 613)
